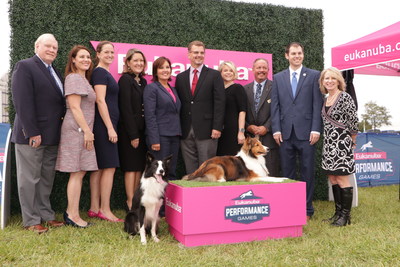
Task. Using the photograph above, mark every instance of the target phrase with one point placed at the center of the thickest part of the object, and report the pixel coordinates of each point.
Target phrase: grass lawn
(373, 239)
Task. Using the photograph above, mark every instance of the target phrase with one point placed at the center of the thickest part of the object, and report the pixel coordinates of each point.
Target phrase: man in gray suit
(258, 115)
(40, 106)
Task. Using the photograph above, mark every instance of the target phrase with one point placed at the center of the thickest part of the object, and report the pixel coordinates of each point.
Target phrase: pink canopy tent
(377, 53)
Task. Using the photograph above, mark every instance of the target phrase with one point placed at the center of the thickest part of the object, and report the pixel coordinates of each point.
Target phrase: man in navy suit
(40, 106)
(296, 103)
(201, 91)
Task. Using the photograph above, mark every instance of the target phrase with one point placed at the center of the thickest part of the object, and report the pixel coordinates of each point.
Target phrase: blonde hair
(230, 65)
(336, 74)
(131, 52)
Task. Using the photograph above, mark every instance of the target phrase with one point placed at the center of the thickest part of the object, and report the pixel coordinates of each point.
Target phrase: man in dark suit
(258, 115)
(296, 118)
(201, 91)
(40, 106)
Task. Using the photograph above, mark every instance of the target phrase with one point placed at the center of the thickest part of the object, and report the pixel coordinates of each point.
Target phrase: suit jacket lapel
(250, 97)
(302, 77)
(46, 72)
(136, 85)
(202, 77)
(186, 80)
(177, 102)
(288, 84)
(264, 94)
(165, 91)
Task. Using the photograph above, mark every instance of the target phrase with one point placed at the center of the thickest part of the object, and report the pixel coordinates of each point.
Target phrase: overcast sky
(344, 21)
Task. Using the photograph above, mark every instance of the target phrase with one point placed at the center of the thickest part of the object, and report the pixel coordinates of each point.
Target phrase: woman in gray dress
(76, 153)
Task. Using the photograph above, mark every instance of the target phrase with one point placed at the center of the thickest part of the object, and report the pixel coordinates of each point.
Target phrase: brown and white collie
(247, 165)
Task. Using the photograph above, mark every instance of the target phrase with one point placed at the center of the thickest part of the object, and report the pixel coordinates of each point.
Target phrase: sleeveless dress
(106, 152)
(72, 156)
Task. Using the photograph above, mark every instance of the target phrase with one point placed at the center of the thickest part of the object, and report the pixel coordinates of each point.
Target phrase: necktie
(257, 97)
(194, 82)
(294, 84)
(53, 73)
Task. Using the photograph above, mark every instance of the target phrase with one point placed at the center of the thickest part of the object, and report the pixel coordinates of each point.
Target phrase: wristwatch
(241, 130)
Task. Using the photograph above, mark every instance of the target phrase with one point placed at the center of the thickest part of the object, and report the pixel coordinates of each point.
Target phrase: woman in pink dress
(76, 154)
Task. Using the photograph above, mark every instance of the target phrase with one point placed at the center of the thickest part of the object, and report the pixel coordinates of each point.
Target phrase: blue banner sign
(377, 159)
(5, 173)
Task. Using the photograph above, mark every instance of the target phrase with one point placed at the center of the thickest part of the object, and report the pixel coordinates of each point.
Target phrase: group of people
(91, 123)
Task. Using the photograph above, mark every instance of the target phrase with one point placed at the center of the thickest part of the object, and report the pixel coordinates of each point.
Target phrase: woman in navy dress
(131, 139)
(105, 126)
(232, 137)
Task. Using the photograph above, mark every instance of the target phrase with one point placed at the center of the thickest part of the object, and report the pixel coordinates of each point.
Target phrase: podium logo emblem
(247, 208)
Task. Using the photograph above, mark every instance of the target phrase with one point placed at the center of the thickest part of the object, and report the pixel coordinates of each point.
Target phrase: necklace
(226, 85)
(330, 101)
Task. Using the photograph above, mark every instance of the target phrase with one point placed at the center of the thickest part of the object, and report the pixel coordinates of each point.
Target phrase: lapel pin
(304, 74)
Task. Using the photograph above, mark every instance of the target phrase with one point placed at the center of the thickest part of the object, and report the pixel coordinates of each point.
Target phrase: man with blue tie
(39, 103)
(296, 118)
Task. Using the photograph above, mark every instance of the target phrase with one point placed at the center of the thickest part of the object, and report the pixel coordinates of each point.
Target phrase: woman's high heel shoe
(68, 221)
(103, 217)
(92, 214)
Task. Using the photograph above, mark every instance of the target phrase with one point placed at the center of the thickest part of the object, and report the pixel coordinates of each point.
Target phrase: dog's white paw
(143, 240)
(156, 239)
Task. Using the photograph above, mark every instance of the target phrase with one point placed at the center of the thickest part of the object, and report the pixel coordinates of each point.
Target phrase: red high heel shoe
(92, 214)
(103, 217)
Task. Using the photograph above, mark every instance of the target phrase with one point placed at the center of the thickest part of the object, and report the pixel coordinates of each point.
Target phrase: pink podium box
(210, 215)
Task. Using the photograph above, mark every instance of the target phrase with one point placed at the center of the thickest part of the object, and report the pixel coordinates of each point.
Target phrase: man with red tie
(201, 91)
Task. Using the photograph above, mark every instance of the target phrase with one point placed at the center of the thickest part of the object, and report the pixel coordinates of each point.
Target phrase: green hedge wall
(219, 24)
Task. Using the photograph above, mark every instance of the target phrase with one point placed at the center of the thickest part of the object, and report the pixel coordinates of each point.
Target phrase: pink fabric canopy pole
(377, 53)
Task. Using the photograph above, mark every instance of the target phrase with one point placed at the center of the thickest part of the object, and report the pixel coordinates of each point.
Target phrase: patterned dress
(72, 156)
(340, 122)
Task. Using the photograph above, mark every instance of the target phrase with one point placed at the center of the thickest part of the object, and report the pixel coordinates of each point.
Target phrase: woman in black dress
(232, 136)
(339, 114)
(131, 127)
(105, 135)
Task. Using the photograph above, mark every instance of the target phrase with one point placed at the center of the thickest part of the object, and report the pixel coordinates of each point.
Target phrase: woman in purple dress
(76, 153)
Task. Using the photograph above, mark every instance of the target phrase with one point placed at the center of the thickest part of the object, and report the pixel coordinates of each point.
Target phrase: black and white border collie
(143, 216)
(248, 165)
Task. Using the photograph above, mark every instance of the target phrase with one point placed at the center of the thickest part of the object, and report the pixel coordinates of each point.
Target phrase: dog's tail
(130, 224)
(207, 172)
